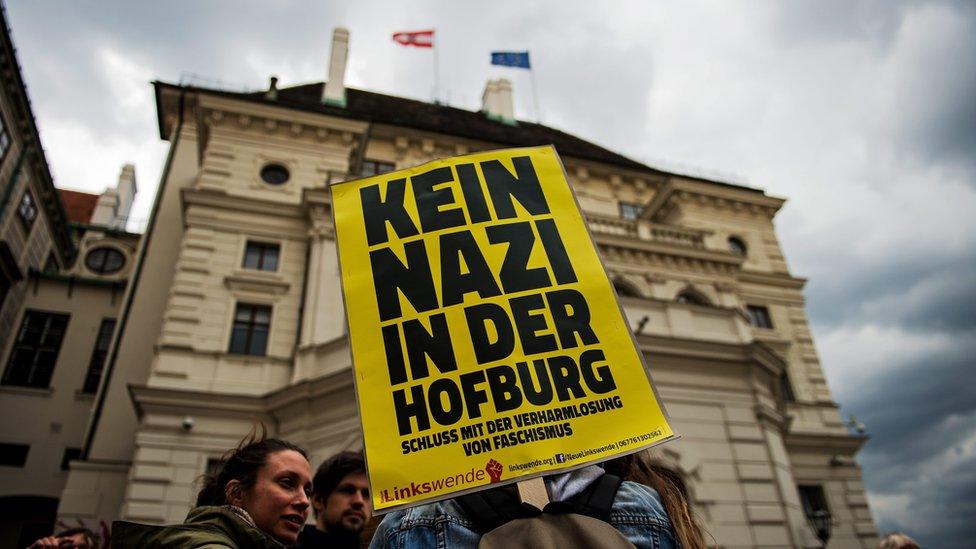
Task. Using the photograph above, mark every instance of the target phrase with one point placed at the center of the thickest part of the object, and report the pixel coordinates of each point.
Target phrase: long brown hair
(643, 469)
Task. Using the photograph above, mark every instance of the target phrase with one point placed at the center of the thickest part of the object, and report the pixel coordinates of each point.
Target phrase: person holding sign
(635, 518)
(487, 342)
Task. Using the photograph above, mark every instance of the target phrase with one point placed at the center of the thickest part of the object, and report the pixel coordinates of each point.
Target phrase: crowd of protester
(263, 493)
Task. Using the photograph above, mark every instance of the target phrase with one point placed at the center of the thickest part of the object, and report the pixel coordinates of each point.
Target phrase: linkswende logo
(415, 490)
(494, 470)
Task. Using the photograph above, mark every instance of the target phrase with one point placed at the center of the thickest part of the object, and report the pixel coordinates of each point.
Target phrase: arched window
(625, 289)
(691, 297)
(737, 246)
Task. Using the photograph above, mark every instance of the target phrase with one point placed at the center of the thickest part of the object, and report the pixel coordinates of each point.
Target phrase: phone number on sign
(637, 439)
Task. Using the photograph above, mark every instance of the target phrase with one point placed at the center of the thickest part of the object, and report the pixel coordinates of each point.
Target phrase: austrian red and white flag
(421, 39)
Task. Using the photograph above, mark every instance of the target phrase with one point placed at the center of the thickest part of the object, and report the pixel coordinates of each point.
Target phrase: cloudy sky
(862, 114)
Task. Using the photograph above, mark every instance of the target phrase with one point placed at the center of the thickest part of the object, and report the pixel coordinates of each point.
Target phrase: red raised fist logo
(494, 470)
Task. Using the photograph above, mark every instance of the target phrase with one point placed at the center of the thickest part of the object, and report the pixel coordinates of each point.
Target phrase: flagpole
(437, 77)
(535, 97)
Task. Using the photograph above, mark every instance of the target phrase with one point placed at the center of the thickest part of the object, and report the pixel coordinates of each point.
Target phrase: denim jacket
(637, 513)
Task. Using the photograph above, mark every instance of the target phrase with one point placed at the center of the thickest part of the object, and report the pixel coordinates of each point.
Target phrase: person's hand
(47, 542)
(54, 542)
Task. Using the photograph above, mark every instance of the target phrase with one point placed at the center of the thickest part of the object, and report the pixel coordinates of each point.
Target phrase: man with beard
(340, 501)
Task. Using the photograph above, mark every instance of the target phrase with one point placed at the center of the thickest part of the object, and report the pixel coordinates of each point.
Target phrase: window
(815, 508)
(275, 174)
(69, 455)
(97, 364)
(261, 256)
(625, 289)
(737, 246)
(13, 455)
(27, 210)
(250, 333)
(5, 284)
(375, 167)
(629, 210)
(36, 349)
(759, 316)
(104, 260)
(813, 500)
(688, 297)
(786, 388)
(4, 139)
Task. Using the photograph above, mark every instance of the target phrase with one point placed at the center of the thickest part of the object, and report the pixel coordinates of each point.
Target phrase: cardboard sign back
(487, 341)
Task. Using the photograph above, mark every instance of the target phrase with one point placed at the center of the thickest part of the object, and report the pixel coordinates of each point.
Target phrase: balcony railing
(677, 235)
(604, 224)
(643, 230)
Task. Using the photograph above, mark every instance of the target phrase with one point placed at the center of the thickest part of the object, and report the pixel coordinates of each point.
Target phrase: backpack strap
(595, 501)
(490, 509)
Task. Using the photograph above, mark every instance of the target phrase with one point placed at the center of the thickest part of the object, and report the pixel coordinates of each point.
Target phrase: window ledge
(46, 392)
(82, 396)
(257, 281)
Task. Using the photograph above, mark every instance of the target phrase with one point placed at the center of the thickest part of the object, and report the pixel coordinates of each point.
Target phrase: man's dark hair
(332, 471)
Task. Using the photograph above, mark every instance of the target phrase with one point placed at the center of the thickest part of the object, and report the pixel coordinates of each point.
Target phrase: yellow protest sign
(486, 338)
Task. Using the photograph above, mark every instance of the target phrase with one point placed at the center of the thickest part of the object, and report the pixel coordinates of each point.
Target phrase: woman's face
(278, 501)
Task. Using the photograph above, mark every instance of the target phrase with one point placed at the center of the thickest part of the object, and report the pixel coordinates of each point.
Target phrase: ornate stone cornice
(826, 442)
(679, 191)
(182, 401)
(772, 279)
(223, 200)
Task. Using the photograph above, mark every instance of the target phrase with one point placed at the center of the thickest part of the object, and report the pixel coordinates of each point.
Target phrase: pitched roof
(78, 205)
(399, 111)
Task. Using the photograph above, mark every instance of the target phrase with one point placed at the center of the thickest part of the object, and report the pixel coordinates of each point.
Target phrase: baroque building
(234, 311)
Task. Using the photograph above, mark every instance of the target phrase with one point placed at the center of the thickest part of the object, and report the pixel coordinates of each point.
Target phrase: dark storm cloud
(923, 444)
(927, 293)
(917, 403)
(935, 119)
(171, 40)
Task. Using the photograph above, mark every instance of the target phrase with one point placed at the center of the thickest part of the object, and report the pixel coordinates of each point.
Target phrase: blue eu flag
(511, 59)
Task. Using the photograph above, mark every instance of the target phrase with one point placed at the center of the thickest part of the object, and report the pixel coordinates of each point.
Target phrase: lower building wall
(93, 493)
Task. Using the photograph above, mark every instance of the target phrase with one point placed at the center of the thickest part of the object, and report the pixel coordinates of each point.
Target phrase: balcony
(645, 230)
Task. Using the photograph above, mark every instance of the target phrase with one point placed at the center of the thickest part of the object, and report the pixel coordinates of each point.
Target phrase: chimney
(334, 92)
(496, 101)
(272, 92)
(114, 205)
(126, 189)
